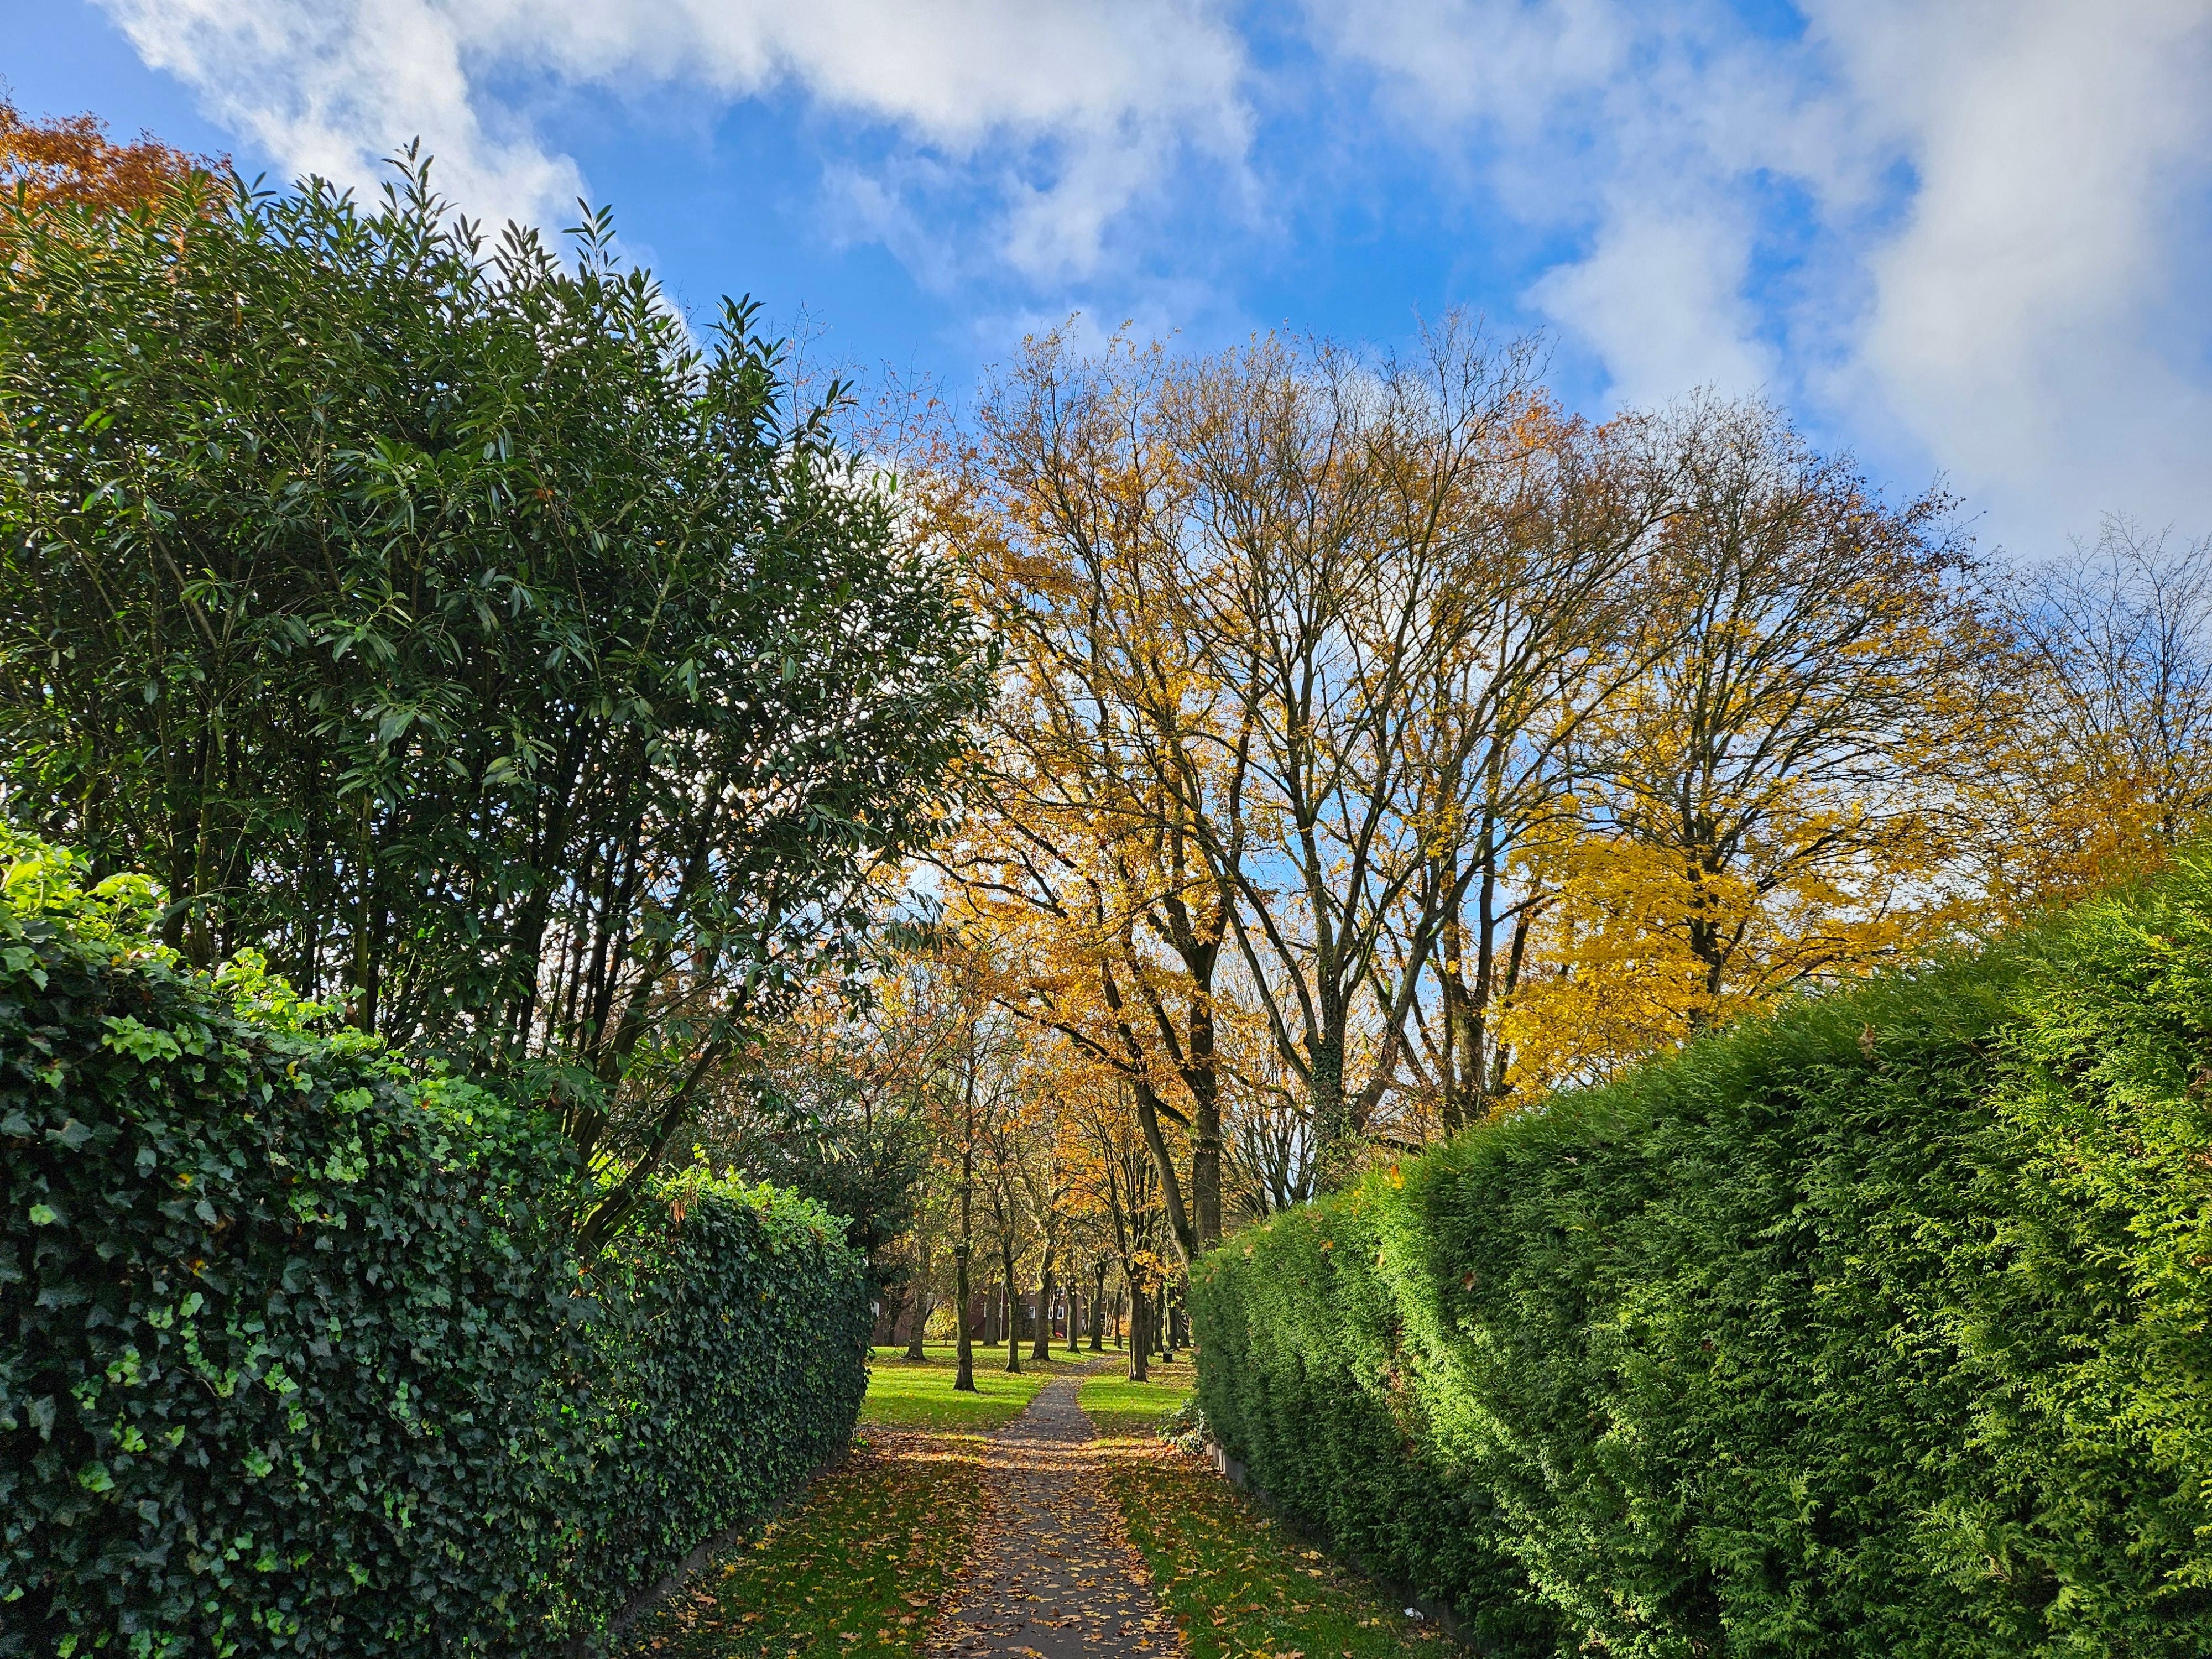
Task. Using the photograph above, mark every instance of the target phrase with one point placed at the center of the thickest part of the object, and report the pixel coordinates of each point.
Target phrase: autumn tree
(2101, 758)
(840, 1098)
(1542, 626)
(1768, 804)
(1084, 844)
(70, 162)
(1121, 1176)
(1292, 629)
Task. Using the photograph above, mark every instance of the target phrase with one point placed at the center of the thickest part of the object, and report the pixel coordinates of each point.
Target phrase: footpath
(1052, 1575)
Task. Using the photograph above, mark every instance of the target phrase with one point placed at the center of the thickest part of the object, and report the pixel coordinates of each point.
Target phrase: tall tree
(449, 628)
(1239, 580)
(1543, 626)
(2101, 758)
(1097, 708)
(1771, 803)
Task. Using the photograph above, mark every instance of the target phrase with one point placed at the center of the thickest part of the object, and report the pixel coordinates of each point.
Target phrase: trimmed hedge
(733, 1341)
(295, 1356)
(1882, 1327)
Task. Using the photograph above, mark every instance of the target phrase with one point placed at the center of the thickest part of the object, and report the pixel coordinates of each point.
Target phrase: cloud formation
(1069, 111)
(1975, 236)
(2039, 319)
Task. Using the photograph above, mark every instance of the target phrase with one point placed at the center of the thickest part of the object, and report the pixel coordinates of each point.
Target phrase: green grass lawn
(1237, 1584)
(854, 1572)
(904, 1394)
(1118, 1407)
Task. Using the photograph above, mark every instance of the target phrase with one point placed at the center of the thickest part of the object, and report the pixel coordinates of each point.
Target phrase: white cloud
(328, 91)
(1501, 62)
(1974, 235)
(2039, 319)
(1660, 300)
(1994, 218)
(1074, 109)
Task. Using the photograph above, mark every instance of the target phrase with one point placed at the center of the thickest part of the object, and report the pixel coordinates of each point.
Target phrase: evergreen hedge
(1877, 1328)
(295, 1356)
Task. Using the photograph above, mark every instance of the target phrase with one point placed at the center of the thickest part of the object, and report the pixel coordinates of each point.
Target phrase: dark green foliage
(1879, 1328)
(739, 1362)
(297, 1354)
(446, 626)
(823, 1133)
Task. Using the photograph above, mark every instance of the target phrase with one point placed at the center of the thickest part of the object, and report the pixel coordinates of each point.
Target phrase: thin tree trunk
(1098, 1310)
(1148, 1120)
(1139, 1338)
(963, 1379)
(1013, 1310)
(918, 1311)
(1206, 1125)
(1042, 1349)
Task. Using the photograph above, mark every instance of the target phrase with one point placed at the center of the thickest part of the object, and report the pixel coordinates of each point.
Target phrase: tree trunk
(1042, 1348)
(1013, 1308)
(1206, 1125)
(1098, 1310)
(1139, 1338)
(1333, 1159)
(963, 1376)
(918, 1307)
(1450, 1109)
(1148, 1120)
(963, 1379)
(917, 1314)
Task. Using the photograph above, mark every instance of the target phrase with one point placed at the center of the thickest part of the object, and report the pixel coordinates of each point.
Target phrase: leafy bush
(1183, 1425)
(296, 1355)
(738, 1359)
(1879, 1327)
(479, 580)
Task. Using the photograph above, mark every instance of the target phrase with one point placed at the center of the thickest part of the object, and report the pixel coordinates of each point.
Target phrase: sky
(1966, 241)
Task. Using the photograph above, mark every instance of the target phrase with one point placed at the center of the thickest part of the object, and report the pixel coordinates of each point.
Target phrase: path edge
(599, 1643)
(1440, 1612)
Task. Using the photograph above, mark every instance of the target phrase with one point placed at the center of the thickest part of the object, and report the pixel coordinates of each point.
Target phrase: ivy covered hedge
(1881, 1328)
(295, 1356)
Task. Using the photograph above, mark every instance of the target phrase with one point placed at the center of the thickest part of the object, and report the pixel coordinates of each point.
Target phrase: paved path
(1052, 1576)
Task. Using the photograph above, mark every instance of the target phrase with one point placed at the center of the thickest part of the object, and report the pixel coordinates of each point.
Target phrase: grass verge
(903, 1394)
(1119, 1408)
(856, 1571)
(1237, 1584)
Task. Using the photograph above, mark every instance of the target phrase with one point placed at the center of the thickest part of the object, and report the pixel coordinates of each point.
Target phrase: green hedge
(1879, 1328)
(294, 1355)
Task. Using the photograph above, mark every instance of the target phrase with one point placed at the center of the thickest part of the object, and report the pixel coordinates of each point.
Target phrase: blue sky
(1965, 238)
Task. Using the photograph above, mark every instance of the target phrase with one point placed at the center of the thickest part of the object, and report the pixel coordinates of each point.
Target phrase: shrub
(296, 1355)
(734, 1337)
(1878, 1328)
